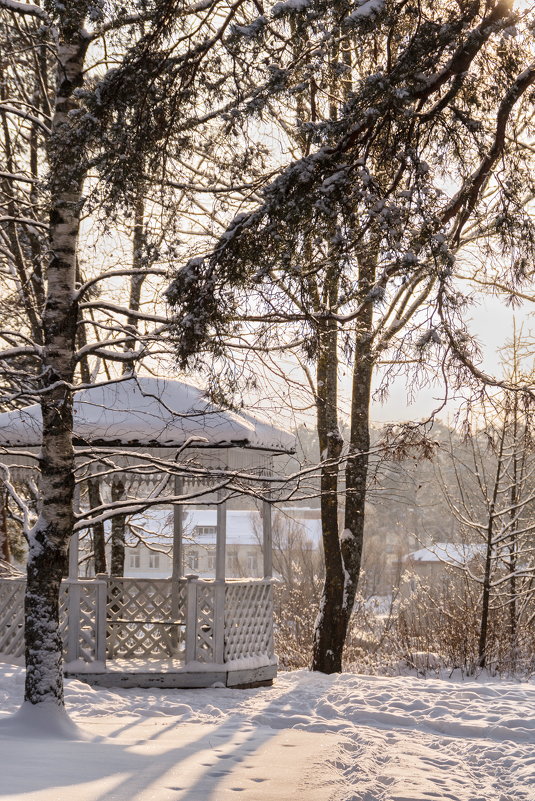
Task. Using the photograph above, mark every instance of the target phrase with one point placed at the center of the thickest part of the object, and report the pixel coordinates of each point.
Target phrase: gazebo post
(267, 539)
(73, 597)
(177, 570)
(219, 584)
(74, 547)
(74, 542)
(178, 528)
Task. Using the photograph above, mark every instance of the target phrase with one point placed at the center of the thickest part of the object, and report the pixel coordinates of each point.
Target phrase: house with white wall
(150, 538)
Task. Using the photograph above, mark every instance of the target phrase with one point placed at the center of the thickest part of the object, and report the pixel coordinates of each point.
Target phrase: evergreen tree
(406, 114)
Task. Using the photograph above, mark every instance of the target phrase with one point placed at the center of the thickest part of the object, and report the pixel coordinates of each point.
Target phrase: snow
(449, 552)
(148, 411)
(368, 8)
(24, 8)
(7, 569)
(45, 721)
(321, 738)
(289, 6)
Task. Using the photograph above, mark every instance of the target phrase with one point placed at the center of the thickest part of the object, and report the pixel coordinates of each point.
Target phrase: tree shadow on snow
(205, 754)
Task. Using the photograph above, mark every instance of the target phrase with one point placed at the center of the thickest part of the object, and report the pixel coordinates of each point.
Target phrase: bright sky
(492, 321)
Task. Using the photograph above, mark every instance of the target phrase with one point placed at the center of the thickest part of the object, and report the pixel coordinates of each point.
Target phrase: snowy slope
(315, 737)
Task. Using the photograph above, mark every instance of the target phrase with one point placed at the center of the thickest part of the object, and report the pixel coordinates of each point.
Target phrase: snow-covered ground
(311, 737)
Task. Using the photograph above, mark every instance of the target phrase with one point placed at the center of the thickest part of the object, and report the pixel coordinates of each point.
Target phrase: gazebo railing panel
(12, 616)
(205, 605)
(145, 618)
(248, 620)
(151, 618)
(78, 618)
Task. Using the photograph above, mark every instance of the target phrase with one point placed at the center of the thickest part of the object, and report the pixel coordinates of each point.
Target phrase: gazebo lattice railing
(82, 606)
(130, 618)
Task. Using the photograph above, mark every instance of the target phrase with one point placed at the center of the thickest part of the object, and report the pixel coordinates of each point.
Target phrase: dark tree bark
(99, 536)
(137, 280)
(328, 633)
(5, 550)
(359, 438)
(343, 554)
(489, 543)
(117, 532)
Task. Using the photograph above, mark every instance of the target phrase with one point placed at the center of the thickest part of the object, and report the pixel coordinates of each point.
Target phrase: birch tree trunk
(48, 547)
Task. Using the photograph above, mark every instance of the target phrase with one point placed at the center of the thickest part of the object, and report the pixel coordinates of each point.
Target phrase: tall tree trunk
(328, 632)
(517, 456)
(359, 439)
(93, 483)
(331, 627)
(99, 538)
(117, 532)
(485, 600)
(137, 280)
(5, 551)
(118, 535)
(487, 575)
(343, 555)
(48, 546)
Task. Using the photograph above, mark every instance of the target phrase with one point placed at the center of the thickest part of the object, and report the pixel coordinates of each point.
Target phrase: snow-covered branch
(26, 9)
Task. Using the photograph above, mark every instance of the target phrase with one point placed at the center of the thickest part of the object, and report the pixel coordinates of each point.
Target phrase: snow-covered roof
(150, 412)
(449, 552)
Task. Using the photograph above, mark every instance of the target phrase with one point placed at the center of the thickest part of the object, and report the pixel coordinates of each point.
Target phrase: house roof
(450, 552)
(149, 412)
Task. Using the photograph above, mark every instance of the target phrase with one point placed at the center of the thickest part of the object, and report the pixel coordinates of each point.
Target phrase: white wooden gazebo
(183, 631)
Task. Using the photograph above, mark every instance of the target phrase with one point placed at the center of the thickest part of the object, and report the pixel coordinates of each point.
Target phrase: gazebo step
(178, 679)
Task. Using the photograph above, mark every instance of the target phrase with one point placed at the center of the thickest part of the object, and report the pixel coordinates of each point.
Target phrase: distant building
(434, 564)
(150, 540)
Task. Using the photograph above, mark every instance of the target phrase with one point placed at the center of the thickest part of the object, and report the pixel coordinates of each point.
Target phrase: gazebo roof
(150, 412)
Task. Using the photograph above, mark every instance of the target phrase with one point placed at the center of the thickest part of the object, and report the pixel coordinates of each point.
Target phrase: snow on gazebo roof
(152, 412)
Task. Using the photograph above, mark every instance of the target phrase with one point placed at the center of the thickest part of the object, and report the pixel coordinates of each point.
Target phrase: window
(211, 562)
(193, 560)
(233, 563)
(205, 531)
(135, 559)
(154, 560)
(252, 562)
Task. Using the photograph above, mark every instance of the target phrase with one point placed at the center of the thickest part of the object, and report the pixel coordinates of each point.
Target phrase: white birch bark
(49, 540)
